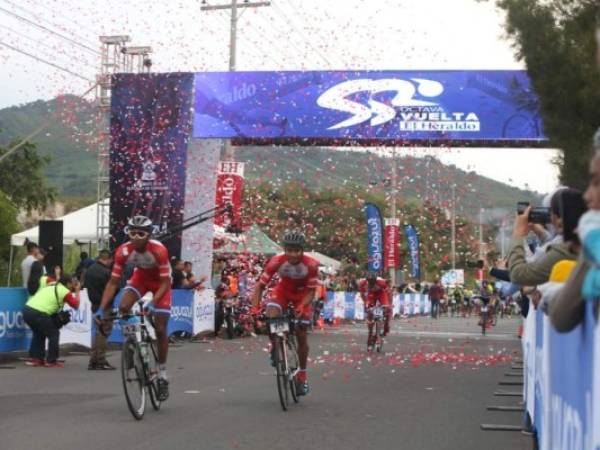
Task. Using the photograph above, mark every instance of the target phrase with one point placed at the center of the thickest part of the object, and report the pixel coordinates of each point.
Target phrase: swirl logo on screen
(376, 112)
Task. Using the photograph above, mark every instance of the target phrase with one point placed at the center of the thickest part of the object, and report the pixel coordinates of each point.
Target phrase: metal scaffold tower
(116, 57)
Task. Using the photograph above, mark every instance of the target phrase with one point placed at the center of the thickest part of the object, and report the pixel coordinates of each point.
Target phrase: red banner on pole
(391, 255)
(230, 184)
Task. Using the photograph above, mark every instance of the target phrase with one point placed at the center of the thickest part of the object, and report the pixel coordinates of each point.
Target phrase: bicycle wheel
(132, 373)
(378, 336)
(153, 375)
(293, 366)
(282, 373)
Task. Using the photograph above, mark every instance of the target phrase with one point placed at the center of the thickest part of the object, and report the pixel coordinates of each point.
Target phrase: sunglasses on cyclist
(140, 234)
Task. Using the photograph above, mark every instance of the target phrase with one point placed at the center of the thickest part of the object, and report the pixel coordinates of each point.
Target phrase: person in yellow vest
(38, 314)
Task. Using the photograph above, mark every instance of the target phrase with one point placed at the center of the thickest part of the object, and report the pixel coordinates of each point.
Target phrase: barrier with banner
(562, 382)
(192, 312)
(349, 305)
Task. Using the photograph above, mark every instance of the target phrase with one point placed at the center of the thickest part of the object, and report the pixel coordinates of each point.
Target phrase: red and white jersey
(152, 262)
(293, 278)
(379, 291)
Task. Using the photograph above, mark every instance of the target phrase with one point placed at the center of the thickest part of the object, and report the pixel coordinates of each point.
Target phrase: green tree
(556, 40)
(23, 180)
(22, 187)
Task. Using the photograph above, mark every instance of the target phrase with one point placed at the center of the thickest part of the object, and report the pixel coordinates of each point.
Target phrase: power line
(42, 27)
(258, 50)
(283, 33)
(45, 125)
(37, 58)
(79, 25)
(41, 43)
(301, 33)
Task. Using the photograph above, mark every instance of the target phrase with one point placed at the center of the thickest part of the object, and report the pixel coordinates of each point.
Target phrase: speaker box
(51, 240)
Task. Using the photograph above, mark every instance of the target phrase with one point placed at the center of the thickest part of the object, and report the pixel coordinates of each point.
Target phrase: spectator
(178, 277)
(37, 271)
(436, 293)
(95, 280)
(38, 312)
(187, 272)
(32, 252)
(84, 263)
(566, 310)
(566, 207)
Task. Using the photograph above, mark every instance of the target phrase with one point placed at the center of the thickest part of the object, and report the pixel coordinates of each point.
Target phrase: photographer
(566, 207)
(567, 309)
(41, 313)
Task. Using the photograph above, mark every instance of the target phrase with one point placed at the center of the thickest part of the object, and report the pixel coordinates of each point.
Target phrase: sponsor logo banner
(150, 126)
(230, 184)
(392, 236)
(374, 238)
(204, 311)
(383, 105)
(14, 332)
(413, 248)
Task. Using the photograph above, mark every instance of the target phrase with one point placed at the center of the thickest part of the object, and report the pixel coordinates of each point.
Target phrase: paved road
(429, 390)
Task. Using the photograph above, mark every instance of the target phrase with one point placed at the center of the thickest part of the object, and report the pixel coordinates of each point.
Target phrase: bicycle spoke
(133, 376)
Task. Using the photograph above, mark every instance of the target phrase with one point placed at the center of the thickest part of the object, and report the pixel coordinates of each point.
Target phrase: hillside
(70, 141)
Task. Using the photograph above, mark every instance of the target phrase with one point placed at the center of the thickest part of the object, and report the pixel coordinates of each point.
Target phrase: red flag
(391, 255)
(230, 184)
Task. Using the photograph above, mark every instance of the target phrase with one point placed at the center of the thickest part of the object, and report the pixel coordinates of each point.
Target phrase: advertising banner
(230, 184)
(182, 311)
(14, 332)
(391, 240)
(453, 277)
(350, 306)
(430, 105)
(204, 311)
(413, 249)
(79, 329)
(374, 238)
(328, 306)
(151, 119)
(339, 304)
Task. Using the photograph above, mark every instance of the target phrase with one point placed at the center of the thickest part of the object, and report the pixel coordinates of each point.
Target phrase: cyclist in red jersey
(298, 278)
(152, 273)
(372, 290)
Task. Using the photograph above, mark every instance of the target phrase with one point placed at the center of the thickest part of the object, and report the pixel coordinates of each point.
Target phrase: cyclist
(298, 277)
(152, 273)
(373, 289)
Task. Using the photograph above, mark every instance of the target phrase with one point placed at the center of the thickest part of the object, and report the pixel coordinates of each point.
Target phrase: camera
(537, 214)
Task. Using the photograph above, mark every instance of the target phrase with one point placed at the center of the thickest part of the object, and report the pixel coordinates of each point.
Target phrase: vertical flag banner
(150, 127)
(392, 236)
(230, 183)
(413, 248)
(374, 237)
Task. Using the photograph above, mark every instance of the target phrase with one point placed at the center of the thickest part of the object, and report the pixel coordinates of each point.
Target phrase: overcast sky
(288, 35)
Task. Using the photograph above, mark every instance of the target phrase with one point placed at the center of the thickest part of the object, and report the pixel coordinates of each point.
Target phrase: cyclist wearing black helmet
(152, 273)
(298, 279)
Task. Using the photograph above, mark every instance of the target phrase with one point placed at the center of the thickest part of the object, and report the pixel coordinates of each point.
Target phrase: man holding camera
(566, 206)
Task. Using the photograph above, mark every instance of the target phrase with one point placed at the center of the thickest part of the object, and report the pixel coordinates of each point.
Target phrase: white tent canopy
(325, 260)
(78, 226)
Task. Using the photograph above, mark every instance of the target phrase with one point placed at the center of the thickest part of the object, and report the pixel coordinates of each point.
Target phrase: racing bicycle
(376, 315)
(285, 356)
(139, 363)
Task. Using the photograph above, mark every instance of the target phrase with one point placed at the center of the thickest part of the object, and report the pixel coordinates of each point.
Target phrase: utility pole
(480, 233)
(233, 6)
(453, 242)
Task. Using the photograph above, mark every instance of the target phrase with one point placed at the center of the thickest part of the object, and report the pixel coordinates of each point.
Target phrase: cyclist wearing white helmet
(152, 273)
